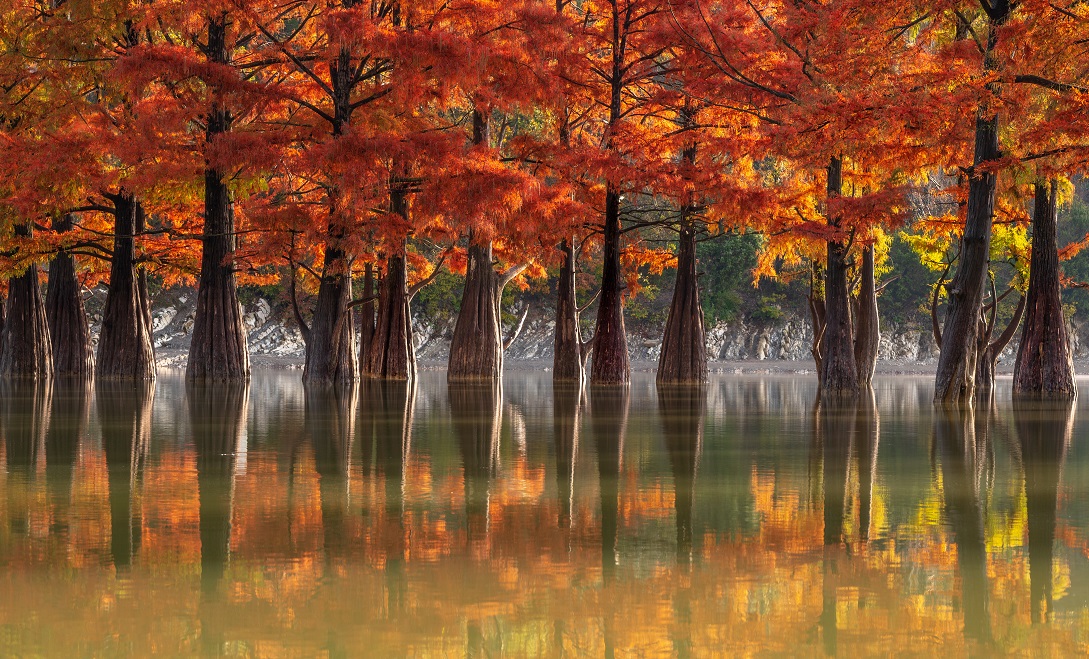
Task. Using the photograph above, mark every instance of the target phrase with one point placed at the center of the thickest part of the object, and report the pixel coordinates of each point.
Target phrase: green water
(740, 519)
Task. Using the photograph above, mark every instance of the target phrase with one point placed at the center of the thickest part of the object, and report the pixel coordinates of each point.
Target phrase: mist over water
(386, 520)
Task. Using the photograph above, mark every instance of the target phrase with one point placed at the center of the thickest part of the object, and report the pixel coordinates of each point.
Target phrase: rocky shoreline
(781, 346)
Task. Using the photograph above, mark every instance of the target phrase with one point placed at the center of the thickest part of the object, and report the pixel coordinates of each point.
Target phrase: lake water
(279, 521)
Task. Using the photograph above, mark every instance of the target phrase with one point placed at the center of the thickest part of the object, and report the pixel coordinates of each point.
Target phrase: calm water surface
(279, 521)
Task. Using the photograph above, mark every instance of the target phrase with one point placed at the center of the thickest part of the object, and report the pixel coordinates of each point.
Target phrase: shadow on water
(682, 410)
(124, 413)
(1044, 430)
(24, 405)
(386, 424)
(962, 437)
(217, 416)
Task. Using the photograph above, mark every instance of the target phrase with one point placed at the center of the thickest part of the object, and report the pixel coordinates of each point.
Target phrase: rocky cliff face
(275, 340)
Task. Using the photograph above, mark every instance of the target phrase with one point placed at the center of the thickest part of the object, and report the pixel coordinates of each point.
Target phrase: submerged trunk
(73, 356)
(218, 350)
(817, 310)
(839, 373)
(366, 315)
(70, 336)
(569, 352)
(867, 322)
(682, 410)
(476, 413)
(610, 364)
(1045, 365)
(25, 349)
(330, 339)
(955, 377)
(476, 350)
(391, 355)
(125, 350)
(684, 346)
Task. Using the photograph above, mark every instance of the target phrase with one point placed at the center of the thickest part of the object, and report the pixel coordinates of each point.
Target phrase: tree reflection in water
(24, 404)
(124, 413)
(68, 414)
(217, 415)
(682, 410)
(834, 423)
(962, 436)
(1044, 430)
(386, 424)
(609, 424)
(329, 419)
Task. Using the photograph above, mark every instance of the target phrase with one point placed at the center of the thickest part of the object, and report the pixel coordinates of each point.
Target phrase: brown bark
(70, 336)
(124, 412)
(569, 351)
(955, 378)
(839, 373)
(476, 350)
(867, 321)
(366, 314)
(961, 441)
(988, 350)
(391, 354)
(25, 348)
(682, 408)
(817, 313)
(610, 364)
(330, 339)
(1044, 430)
(683, 359)
(218, 350)
(217, 417)
(1045, 364)
(125, 350)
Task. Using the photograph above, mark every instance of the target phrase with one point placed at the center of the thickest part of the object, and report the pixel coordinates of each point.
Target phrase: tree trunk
(73, 356)
(684, 345)
(610, 364)
(125, 350)
(218, 350)
(391, 355)
(366, 314)
(839, 373)
(867, 322)
(817, 314)
(955, 377)
(1045, 365)
(569, 352)
(330, 349)
(25, 349)
(476, 350)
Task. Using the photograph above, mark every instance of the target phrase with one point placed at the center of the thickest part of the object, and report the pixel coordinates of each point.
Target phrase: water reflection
(387, 414)
(124, 414)
(526, 521)
(962, 436)
(1044, 430)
